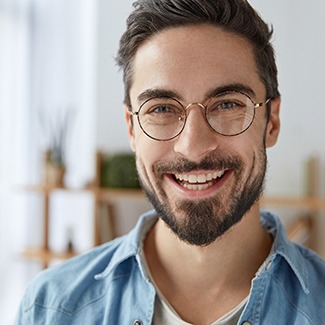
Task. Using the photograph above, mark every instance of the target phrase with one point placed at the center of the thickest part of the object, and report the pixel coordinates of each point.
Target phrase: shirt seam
(62, 310)
(71, 313)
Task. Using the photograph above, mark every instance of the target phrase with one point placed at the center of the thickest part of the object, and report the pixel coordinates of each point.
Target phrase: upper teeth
(202, 178)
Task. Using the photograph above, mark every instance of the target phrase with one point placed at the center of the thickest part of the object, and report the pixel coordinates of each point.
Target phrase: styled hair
(236, 16)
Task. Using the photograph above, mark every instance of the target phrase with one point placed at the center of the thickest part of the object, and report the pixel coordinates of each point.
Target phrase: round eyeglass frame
(185, 108)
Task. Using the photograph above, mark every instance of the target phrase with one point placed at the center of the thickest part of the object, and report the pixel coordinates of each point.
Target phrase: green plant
(119, 171)
(56, 127)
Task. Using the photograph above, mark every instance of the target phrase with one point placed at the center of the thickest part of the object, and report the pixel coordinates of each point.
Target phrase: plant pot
(54, 175)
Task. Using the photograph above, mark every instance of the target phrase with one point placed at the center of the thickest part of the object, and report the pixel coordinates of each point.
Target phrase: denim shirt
(110, 285)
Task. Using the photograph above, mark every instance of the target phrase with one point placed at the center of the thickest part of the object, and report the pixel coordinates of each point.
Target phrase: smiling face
(201, 183)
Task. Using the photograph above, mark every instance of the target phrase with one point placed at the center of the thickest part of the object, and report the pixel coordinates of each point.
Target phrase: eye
(228, 105)
(162, 109)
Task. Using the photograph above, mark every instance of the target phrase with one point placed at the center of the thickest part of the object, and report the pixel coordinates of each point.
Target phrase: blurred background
(61, 100)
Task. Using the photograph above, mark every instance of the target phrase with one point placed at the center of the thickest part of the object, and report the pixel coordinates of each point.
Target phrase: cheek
(250, 146)
(255, 135)
(149, 151)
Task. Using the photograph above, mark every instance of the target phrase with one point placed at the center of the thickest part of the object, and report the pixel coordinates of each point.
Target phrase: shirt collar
(285, 248)
(131, 246)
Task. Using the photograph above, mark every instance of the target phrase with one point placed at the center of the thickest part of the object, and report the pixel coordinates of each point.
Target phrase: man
(202, 105)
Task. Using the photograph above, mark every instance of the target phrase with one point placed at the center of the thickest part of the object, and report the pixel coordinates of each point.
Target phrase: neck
(193, 271)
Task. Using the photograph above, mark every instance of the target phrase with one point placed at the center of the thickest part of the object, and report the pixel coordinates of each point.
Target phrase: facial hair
(201, 222)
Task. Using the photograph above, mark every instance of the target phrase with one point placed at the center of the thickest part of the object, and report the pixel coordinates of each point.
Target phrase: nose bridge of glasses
(197, 104)
(202, 112)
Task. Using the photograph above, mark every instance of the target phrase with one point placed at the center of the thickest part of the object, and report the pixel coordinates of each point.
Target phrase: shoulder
(314, 267)
(95, 279)
(302, 283)
(297, 271)
(71, 285)
(302, 260)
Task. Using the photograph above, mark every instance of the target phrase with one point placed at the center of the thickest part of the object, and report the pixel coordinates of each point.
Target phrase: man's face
(201, 183)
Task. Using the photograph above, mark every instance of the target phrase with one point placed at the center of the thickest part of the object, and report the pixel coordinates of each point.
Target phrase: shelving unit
(106, 196)
(45, 255)
(313, 209)
(109, 197)
(311, 203)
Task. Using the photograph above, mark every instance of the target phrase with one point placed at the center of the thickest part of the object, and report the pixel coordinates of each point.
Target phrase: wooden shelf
(113, 195)
(108, 196)
(308, 221)
(299, 202)
(44, 255)
(102, 192)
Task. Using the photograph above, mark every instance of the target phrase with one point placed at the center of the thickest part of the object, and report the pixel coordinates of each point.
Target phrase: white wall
(300, 47)
(111, 128)
(49, 57)
(299, 43)
(64, 78)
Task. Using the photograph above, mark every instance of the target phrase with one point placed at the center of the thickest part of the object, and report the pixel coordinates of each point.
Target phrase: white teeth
(199, 179)
(197, 187)
(192, 179)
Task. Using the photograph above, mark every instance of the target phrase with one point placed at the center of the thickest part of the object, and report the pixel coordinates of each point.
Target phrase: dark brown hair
(237, 16)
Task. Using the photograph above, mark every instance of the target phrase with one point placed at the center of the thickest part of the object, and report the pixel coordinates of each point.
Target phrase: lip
(199, 184)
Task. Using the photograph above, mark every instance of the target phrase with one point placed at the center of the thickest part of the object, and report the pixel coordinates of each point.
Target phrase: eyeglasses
(229, 113)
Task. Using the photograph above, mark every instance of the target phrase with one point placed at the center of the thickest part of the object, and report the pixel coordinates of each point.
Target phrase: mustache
(181, 165)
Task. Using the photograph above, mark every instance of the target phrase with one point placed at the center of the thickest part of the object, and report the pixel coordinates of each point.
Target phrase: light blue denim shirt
(109, 285)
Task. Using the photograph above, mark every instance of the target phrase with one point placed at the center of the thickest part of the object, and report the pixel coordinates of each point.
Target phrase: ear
(273, 126)
(129, 121)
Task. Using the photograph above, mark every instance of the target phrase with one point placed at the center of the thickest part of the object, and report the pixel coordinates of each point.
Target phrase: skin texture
(216, 229)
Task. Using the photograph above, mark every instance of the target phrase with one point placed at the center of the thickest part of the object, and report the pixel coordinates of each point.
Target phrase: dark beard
(204, 223)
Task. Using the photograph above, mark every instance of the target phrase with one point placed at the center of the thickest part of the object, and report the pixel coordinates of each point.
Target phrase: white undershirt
(165, 313)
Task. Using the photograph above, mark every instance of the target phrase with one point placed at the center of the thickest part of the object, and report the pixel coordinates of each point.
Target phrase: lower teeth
(197, 187)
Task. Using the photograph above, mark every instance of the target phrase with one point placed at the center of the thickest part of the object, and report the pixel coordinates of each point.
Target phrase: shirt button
(137, 322)
(246, 323)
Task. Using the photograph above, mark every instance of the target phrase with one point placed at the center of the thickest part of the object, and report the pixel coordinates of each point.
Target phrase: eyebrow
(166, 93)
(157, 93)
(231, 87)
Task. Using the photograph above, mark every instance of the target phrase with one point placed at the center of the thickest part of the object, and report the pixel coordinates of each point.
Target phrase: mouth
(199, 182)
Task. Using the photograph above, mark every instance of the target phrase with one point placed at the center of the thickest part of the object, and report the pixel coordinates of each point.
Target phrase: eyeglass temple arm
(263, 103)
(129, 111)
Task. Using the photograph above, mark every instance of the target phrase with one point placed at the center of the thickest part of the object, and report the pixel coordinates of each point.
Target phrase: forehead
(192, 61)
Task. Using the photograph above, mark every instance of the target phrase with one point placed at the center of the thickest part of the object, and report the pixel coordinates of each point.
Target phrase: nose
(197, 138)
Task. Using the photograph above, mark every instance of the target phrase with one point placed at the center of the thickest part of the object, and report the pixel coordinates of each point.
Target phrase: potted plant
(55, 154)
(54, 168)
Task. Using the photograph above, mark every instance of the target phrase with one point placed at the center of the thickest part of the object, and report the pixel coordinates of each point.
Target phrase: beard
(201, 222)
